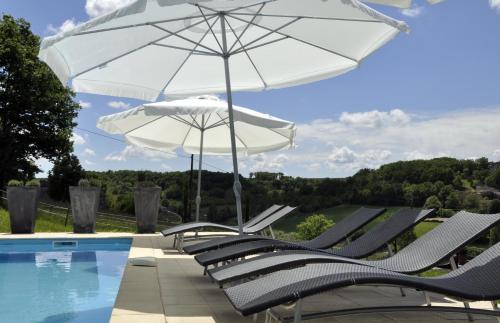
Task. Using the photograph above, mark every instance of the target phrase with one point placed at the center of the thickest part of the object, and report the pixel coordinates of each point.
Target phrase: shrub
(33, 183)
(405, 239)
(433, 202)
(14, 182)
(445, 213)
(313, 226)
(84, 183)
(146, 184)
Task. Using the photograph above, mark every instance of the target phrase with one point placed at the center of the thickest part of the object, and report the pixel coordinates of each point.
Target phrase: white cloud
(88, 152)
(119, 105)
(166, 167)
(346, 158)
(329, 147)
(413, 12)
(495, 4)
(84, 104)
(77, 139)
(496, 155)
(375, 118)
(88, 162)
(137, 152)
(96, 8)
(264, 163)
(67, 25)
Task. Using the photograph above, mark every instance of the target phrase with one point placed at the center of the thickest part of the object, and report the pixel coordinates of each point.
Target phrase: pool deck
(176, 291)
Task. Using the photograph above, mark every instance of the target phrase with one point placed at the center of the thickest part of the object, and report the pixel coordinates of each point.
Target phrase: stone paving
(176, 291)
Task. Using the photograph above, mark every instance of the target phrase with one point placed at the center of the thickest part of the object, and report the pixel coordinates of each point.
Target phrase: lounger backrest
(441, 242)
(384, 233)
(344, 228)
(262, 215)
(270, 219)
(480, 276)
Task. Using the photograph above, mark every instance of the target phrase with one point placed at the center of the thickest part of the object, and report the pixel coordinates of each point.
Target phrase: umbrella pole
(237, 184)
(200, 161)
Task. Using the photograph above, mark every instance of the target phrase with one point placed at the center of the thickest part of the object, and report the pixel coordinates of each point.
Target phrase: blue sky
(433, 92)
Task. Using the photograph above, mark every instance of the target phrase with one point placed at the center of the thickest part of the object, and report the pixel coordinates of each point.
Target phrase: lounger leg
(427, 299)
(205, 271)
(297, 317)
(454, 266)
(272, 232)
(255, 317)
(175, 241)
(180, 242)
(391, 253)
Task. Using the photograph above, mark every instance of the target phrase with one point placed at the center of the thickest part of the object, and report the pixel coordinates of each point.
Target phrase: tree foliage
(36, 111)
(66, 172)
(313, 226)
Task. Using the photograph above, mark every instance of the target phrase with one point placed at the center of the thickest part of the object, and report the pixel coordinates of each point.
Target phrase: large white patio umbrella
(199, 125)
(188, 47)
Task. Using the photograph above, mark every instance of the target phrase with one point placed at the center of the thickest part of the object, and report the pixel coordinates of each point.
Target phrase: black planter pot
(23, 205)
(84, 205)
(147, 205)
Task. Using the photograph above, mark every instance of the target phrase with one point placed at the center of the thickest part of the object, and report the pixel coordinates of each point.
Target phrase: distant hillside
(410, 183)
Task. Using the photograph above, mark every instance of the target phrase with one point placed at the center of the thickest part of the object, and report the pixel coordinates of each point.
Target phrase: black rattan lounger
(427, 251)
(328, 239)
(260, 222)
(231, 240)
(479, 279)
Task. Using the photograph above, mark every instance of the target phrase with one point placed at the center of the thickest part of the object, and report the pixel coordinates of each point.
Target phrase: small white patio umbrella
(199, 125)
(190, 47)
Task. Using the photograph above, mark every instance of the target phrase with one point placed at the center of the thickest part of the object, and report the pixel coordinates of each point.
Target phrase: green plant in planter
(84, 183)
(15, 183)
(33, 183)
(146, 184)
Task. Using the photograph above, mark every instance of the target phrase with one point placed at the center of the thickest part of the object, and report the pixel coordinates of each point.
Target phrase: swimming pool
(60, 280)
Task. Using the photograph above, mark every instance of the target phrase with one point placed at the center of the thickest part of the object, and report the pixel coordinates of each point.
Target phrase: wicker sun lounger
(479, 279)
(339, 232)
(260, 222)
(367, 244)
(427, 251)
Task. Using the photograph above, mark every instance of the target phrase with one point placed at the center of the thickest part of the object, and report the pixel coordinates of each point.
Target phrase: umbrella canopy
(181, 123)
(153, 47)
(180, 47)
(200, 125)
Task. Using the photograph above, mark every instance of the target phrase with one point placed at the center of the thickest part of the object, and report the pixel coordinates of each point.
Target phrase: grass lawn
(337, 213)
(54, 223)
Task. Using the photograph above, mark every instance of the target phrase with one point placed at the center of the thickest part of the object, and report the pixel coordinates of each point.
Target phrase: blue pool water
(60, 280)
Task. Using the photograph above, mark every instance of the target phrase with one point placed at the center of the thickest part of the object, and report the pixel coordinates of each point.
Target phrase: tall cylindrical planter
(84, 205)
(147, 206)
(23, 205)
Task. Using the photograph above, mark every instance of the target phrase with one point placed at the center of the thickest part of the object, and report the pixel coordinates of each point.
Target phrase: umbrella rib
(218, 123)
(271, 31)
(235, 134)
(187, 39)
(133, 50)
(299, 40)
(309, 17)
(143, 125)
(246, 27)
(260, 45)
(179, 119)
(196, 122)
(249, 58)
(210, 27)
(194, 51)
(234, 9)
(137, 25)
(184, 62)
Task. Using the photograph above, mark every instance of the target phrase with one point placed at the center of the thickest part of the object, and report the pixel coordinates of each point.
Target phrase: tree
(66, 172)
(453, 201)
(433, 202)
(494, 207)
(36, 110)
(313, 226)
(494, 179)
